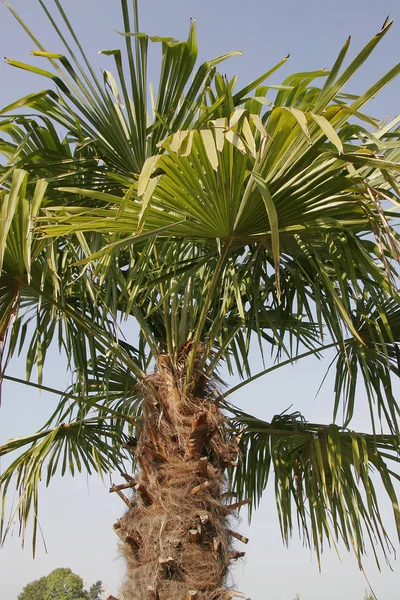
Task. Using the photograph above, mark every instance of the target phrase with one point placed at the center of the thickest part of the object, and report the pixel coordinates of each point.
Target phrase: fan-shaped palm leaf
(325, 475)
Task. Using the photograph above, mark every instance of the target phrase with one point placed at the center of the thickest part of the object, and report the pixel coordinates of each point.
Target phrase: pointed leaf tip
(385, 27)
(386, 21)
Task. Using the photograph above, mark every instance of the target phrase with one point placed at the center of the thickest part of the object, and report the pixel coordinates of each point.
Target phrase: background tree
(34, 590)
(227, 218)
(96, 590)
(60, 584)
(64, 584)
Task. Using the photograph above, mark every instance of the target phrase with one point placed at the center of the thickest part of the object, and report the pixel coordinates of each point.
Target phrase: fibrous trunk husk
(176, 536)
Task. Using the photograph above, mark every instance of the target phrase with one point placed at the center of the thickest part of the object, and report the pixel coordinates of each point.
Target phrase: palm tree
(156, 249)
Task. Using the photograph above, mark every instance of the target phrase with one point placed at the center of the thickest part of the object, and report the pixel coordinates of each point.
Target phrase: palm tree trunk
(176, 536)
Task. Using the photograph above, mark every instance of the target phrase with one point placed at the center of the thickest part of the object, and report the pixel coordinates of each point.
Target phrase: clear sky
(76, 516)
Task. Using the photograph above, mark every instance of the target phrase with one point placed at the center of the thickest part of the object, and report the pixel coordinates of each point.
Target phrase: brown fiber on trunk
(176, 536)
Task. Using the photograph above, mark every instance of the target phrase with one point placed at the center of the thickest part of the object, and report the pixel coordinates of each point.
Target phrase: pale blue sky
(77, 517)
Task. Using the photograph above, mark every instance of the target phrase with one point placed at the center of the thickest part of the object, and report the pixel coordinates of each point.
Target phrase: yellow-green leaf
(210, 148)
(328, 131)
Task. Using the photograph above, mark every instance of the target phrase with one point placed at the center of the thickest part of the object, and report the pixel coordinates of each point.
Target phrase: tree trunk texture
(175, 535)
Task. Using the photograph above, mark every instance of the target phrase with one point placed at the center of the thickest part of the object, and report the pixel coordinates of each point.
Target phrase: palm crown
(217, 219)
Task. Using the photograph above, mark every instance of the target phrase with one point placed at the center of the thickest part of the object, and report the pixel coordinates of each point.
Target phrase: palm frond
(324, 477)
(90, 444)
(375, 360)
(43, 294)
(33, 144)
(112, 115)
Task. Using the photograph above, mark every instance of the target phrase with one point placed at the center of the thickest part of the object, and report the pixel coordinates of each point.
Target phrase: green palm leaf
(89, 444)
(324, 478)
